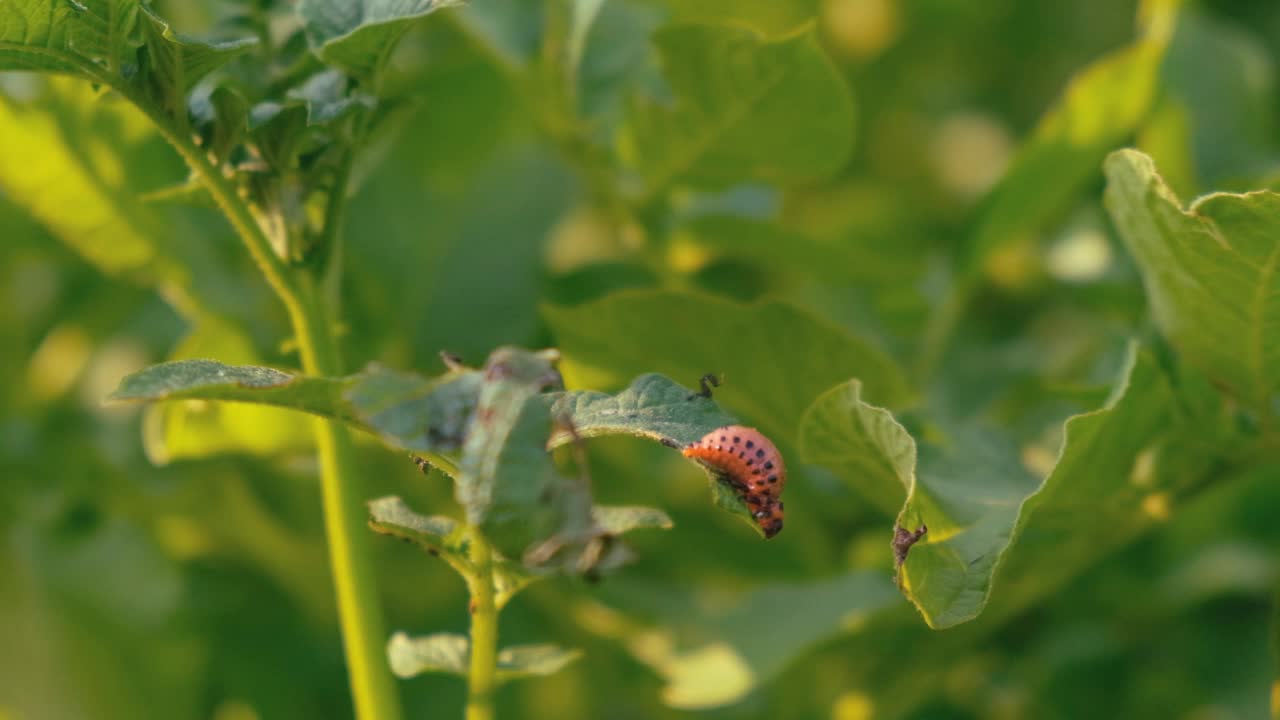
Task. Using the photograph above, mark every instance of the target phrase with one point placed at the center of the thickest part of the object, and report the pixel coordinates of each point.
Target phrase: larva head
(768, 515)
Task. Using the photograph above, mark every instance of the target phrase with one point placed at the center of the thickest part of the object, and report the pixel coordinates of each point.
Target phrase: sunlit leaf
(178, 430)
(447, 653)
(406, 411)
(1101, 107)
(1212, 273)
(441, 652)
(617, 520)
(46, 173)
(520, 661)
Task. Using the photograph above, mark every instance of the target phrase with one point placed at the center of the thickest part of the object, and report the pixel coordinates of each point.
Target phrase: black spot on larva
(773, 479)
(722, 438)
(768, 466)
(749, 462)
(736, 438)
(750, 444)
(760, 453)
(756, 471)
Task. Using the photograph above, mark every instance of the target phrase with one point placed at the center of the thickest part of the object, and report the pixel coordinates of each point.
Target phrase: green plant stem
(345, 521)
(482, 674)
(350, 553)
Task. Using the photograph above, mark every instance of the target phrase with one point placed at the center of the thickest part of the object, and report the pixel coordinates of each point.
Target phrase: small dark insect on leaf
(707, 382)
(423, 464)
(903, 539)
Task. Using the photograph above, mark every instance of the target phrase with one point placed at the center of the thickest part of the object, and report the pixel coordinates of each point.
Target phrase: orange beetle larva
(749, 461)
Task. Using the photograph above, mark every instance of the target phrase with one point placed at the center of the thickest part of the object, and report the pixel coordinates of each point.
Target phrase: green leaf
(508, 483)
(212, 380)
(222, 116)
(616, 520)
(653, 406)
(177, 63)
(448, 653)
(405, 411)
(443, 537)
(435, 534)
(1102, 106)
(744, 109)
(440, 652)
(119, 43)
(46, 171)
(688, 335)
(357, 36)
(543, 659)
(327, 97)
(90, 39)
(1212, 273)
(197, 429)
(860, 442)
(410, 412)
(975, 497)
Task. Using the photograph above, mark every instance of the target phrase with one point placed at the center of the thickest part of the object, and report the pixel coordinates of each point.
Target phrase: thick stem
(345, 518)
(350, 555)
(482, 675)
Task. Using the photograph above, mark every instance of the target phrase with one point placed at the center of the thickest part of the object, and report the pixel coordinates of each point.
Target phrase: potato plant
(1026, 393)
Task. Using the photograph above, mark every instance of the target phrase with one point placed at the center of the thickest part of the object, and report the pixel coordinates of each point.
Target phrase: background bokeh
(170, 563)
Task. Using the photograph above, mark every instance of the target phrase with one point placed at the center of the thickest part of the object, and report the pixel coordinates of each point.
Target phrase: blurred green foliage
(912, 199)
